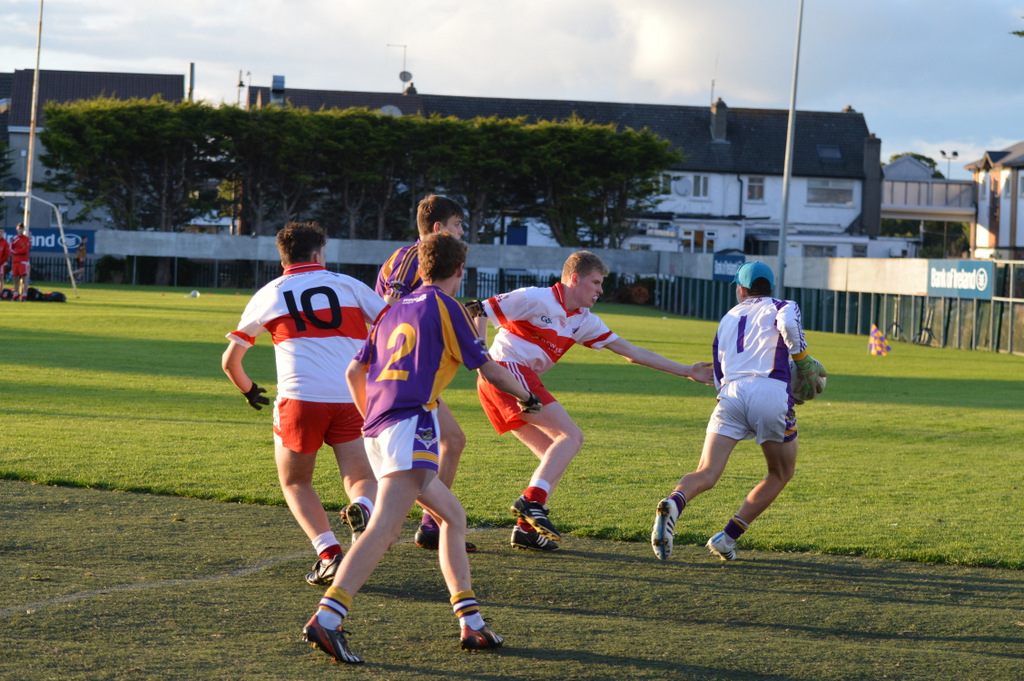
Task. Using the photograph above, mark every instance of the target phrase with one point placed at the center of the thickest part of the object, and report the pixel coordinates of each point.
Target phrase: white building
(997, 230)
(727, 193)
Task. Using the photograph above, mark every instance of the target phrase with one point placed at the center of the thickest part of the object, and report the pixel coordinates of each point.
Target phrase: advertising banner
(47, 241)
(726, 266)
(960, 278)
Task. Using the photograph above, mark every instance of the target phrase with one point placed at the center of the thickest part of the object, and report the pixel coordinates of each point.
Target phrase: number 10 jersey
(318, 321)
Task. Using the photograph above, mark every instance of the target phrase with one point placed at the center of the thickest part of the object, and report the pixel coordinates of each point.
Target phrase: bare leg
(443, 505)
(295, 472)
(453, 441)
(396, 494)
(713, 458)
(554, 438)
(356, 473)
(781, 460)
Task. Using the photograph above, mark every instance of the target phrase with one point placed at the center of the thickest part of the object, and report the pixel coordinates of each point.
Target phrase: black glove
(530, 405)
(475, 308)
(255, 397)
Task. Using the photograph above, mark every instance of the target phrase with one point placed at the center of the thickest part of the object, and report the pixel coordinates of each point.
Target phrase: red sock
(536, 494)
(330, 552)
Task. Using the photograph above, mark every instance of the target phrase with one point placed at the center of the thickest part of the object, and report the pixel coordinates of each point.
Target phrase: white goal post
(60, 226)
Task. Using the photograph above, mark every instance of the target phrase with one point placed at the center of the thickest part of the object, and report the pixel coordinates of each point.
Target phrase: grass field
(914, 457)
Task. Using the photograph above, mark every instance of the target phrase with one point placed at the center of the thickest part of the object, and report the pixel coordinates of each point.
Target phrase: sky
(929, 76)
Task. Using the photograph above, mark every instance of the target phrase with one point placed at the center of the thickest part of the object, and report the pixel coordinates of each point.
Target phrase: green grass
(913, 457)
(99, 585)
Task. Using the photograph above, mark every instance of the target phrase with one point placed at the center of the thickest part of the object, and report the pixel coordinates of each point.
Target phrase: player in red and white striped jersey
(536, 327)
(317, 321)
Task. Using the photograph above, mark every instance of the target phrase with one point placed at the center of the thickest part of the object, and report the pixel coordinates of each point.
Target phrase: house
(62, 86)
(997, 230)
(726, 193)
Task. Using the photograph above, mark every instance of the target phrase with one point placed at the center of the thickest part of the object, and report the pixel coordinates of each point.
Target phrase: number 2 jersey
(756, 338)
(412, 354)
(318, 321)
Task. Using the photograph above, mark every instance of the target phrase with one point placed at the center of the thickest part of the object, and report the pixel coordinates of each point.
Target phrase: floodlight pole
(780, 278)
(60, 225)
(27, 217)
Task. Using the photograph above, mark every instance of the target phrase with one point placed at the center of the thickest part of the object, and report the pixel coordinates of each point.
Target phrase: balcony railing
(925, 193)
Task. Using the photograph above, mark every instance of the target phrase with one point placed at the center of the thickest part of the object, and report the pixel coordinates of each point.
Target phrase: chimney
(277, 91)
(871, 200)
(719, 117)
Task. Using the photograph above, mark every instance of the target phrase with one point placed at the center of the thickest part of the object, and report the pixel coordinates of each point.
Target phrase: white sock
(328, 619)
(365, 503)
(323, 541)
(540, 483)
(474, 621)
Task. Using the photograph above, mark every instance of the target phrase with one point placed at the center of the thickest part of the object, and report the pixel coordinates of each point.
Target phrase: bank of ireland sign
(960, 278)
(725, 266)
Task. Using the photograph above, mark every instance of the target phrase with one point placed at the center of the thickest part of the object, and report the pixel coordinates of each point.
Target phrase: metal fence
(995, 325)
(969, 324)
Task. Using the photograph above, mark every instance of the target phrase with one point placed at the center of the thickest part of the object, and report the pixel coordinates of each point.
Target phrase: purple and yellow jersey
(756, 338)
(399, 276)
(412, 354)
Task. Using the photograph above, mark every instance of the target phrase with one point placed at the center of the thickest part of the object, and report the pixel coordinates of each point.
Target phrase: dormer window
(830, 153)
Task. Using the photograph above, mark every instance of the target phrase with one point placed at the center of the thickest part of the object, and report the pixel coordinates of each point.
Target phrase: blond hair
(582, 263)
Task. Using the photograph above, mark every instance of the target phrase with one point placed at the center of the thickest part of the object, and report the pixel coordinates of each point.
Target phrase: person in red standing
(5, 255)
(21, 245)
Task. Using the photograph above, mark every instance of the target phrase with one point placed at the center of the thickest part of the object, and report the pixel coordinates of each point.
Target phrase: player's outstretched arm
(701, 372)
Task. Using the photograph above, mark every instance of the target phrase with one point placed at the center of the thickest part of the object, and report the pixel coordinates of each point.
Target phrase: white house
(727, 193)
(998, 227)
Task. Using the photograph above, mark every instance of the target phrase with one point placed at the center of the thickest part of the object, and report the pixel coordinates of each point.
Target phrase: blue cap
(749, 272)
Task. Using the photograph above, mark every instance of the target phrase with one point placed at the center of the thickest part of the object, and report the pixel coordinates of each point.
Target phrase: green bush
(111, 270)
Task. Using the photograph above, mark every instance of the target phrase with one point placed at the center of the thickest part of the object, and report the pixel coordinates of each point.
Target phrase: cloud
(923, 73)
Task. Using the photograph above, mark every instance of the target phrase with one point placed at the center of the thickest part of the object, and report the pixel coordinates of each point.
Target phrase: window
(700, 186)
(666, 183)
(830, 153)
(639, 247)
(860, 250)
(755, 188)
(819, 251)
(834, 192)
(697, 241)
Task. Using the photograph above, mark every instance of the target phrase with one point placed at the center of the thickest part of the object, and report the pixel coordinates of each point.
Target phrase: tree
(635, 163)
(7, 181)
(274, 155)
(487, 163)
(151, 164)
(348, 171)
(590, 177)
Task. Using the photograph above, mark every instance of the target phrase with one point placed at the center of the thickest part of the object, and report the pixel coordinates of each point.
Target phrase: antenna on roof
(714, 75)
(404, 76)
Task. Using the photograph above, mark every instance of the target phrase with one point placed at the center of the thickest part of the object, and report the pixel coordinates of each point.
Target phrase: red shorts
(20, 269)
(502, 409)
(304, 427)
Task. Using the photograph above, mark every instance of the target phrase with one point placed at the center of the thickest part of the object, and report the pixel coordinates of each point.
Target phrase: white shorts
(412, 443)
(754, 408)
